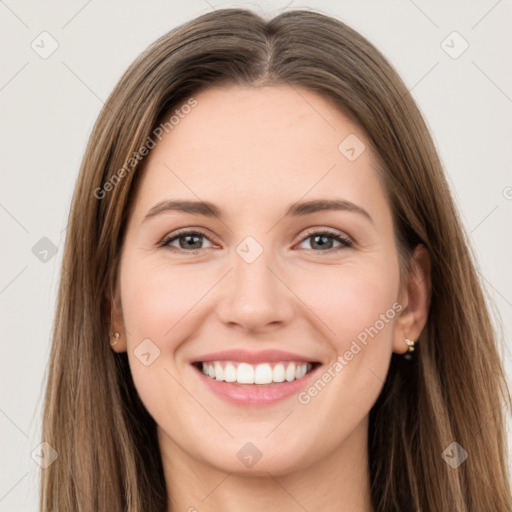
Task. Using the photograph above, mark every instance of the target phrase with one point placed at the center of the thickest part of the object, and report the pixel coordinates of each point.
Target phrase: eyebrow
(209, 209)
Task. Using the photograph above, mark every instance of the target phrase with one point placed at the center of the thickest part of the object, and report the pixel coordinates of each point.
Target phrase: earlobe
(416, 299)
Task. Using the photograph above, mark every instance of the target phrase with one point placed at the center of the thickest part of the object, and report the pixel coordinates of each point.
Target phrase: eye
(323, 241)
(191, 241)
(188, 241)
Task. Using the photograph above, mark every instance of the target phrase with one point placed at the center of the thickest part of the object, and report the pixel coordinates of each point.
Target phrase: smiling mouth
(262, 374)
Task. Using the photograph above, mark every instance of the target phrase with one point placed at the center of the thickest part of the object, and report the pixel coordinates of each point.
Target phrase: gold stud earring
(115, 335)
(410, 343)
(408, 355)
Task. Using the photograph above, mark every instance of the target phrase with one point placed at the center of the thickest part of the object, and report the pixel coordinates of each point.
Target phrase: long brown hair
(453, 391)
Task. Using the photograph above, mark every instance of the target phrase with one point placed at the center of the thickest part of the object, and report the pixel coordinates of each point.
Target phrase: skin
(252, 152)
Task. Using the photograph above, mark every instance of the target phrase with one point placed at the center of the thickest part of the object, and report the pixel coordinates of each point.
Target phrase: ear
(415, 299)
(117, 321)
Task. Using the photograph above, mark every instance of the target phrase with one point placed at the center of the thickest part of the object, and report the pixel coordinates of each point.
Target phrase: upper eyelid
(187, 231)
(328, 231)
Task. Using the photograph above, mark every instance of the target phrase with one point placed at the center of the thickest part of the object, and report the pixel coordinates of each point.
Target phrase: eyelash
(345, 242)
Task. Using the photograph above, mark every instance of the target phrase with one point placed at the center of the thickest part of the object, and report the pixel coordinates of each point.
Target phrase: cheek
(158, 305)
(359, 305)
(156, 302)
(352, 300)
(156, 298)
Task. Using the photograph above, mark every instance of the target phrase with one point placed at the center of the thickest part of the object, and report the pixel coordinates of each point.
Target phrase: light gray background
(48, 107)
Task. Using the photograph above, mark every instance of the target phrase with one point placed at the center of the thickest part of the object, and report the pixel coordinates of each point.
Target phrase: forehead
(285, 121)
(249, 145)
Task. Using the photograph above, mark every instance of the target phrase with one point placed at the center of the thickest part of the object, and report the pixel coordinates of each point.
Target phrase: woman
(263, 230)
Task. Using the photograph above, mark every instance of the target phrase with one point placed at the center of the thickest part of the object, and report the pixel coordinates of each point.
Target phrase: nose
(255, 296)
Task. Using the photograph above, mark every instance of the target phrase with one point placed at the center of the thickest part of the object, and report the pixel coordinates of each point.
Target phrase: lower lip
(240, 394)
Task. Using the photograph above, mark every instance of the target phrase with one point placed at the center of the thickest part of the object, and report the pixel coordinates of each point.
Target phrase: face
(264, 284)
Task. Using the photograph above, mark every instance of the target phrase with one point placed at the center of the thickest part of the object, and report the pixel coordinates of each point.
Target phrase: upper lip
(246, 356)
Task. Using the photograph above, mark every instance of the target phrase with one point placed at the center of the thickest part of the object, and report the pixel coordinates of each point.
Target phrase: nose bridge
(255, 296)
(255, 284)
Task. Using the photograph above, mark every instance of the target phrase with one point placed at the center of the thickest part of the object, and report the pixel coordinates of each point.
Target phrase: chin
(258, 458)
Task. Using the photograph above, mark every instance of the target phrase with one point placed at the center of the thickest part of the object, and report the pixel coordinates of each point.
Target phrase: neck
(338, 482)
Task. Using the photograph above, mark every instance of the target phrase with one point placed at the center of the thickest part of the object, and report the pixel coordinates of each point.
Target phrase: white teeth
(219, 372)
(290, 372)
(230, 373)
(278, 373)
(245, 374)
(264, 373)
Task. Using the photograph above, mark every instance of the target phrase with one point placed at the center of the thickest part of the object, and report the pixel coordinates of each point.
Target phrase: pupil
(321, 244)
(188, 245)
